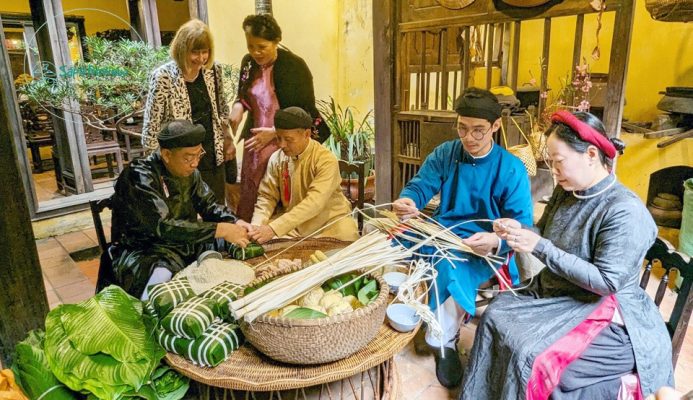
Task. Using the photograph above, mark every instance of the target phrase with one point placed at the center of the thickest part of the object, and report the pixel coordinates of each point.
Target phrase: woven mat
(248, 369)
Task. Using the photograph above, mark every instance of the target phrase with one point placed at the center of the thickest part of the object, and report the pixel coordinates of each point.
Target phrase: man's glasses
(477, 133)
(192, 159)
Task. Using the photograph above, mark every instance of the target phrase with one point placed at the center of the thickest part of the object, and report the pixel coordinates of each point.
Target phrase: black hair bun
(618, 144)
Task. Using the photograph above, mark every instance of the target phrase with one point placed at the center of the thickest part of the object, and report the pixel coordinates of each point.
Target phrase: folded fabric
(223, 295)
(209, 350)
(190, 318)
(164, 297)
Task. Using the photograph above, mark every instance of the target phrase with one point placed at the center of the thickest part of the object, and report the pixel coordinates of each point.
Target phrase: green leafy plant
(113, 80)
(351, 139)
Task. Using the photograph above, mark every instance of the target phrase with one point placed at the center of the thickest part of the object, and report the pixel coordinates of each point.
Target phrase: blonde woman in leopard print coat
(189, 87)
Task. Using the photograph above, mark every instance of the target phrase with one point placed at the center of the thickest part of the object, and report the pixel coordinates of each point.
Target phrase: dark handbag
(231, 166)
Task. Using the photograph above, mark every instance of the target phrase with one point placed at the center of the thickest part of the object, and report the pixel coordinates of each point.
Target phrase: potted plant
(352, 141)
(111, 83)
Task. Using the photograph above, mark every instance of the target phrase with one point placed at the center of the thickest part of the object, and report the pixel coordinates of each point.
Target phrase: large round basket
(316, 341)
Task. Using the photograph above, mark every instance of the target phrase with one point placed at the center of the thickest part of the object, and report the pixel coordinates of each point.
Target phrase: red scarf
(586, 132)
(286, 192)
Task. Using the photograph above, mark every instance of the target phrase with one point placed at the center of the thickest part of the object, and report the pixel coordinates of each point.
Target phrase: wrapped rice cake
(209, 350)
(164, 297)
(223, 295)
(191, 318)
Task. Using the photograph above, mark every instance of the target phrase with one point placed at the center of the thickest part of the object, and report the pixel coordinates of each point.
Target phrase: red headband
(586, 132)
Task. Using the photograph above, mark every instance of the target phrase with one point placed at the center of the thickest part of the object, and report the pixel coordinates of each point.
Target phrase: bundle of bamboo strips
(430, 232)
(371, 252)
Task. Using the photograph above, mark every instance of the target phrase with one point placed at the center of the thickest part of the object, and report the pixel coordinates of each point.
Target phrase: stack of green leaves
(104, 345)
(165, 384)
(190, 318)
(210, 349)
(223, 294)
(33, 372)
(164, 297)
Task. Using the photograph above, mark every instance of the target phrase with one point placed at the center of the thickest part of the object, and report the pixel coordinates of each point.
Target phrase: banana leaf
(305, 313)
(166, 384)
(368, 292)
(33, 372)
(103, 345)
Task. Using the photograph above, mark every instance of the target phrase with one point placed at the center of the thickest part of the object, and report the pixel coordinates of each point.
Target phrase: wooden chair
(105, 276)
(358, 168)
(681, 314)
(131, 135)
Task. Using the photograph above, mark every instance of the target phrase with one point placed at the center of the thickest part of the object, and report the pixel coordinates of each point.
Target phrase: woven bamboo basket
(316, 341)
(524, 152)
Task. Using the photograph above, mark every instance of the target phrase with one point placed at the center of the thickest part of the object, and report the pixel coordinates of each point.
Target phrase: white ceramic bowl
(394, 280)
(402, 317)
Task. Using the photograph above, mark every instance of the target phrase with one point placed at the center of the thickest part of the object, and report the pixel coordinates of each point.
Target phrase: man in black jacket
(156, 231)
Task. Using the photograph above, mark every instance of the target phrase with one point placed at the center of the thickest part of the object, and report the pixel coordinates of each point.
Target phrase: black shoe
(448, 367)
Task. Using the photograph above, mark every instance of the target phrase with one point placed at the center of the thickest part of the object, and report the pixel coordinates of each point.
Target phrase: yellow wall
(308, 29)
(642, 157)
(657, 58)
(172, 14)
(333, 37)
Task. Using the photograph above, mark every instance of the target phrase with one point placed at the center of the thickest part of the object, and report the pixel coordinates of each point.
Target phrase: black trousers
(597, 373)
(215, 178)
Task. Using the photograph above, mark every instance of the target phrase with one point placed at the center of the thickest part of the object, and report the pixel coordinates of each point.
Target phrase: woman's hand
(229, 149)
(405, 208)
(261, 137)
(236, 116)
(482, 243)
(519, 239)
(261, 234)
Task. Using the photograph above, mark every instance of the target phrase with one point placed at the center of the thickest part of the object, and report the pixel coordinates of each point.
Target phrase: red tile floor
(68, 281)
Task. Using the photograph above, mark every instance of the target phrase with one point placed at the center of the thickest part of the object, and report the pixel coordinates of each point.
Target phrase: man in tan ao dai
(300, 192)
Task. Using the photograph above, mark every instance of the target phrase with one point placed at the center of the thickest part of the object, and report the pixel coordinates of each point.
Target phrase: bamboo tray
(248, 369)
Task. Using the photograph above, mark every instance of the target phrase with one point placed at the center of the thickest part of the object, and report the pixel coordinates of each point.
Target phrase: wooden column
(69, 132)
(23, 297)
(515, 55)
(144, 20)
(383, 72)
(618, 68)
(198, 9)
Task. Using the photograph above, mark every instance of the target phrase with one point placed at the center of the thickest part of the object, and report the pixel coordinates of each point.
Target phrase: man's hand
(261, 137)
(232, 233)
(261, 234)
(243, 224)
(482, 243)
(405, 208)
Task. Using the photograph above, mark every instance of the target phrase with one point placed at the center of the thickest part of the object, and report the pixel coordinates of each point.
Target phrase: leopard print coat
(168, 99)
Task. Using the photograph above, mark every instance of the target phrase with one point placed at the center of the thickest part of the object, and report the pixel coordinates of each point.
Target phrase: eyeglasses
(477, 133)
(192, 159)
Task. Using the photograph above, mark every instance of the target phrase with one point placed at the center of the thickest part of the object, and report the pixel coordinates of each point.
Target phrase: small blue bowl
(402, 317)
(394, 280)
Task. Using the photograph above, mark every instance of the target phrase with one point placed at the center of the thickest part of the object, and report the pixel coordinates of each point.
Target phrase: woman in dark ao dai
(582, 328)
